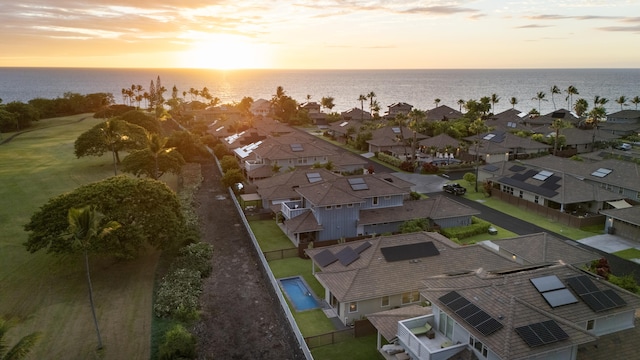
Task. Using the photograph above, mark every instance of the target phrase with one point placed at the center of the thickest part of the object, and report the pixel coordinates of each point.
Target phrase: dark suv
(455, 189)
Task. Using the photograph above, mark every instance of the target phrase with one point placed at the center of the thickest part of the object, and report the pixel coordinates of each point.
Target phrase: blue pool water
(299, 294)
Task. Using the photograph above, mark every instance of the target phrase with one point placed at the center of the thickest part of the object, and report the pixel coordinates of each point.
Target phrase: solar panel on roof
(346, 256)
(449, 297)
(490, 168)
(489, 327)
(542, 333)
(296, 147)
(559, 297)
(314, 177)
(325, 258)
(362, 247)
(601, 172)
(477, 318)
(458, 303)
(517, 168)
(467, 311)
(409, 251)
(358, 187)
(354, 181)
(595, 298)
(547, 283)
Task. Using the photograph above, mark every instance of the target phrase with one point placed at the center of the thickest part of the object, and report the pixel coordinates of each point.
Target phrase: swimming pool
(299, 294)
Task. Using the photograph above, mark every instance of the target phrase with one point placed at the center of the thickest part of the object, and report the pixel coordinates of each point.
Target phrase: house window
(520, 194)
(329, 207)
(387, 197)
(385, 301)
(410, 297)
(446, 325)
(478, 346)
(591, 324)
(353, 307)
(375, 200)
(349, 205)
(537, 198)
(338, 206)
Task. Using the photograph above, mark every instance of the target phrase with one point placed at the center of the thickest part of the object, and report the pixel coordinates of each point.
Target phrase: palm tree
(622, 100)
(557, 125)
(437, 102)
(461, 104)
(478, 127)
(540, 97)
(362, 99)
(85, 228)
(636, 101)
(513, 101)
(112, 137)
(582, 105)
(571, 90)
(22, 348)
(327, 102)
(554, 90)
(371, 96)
(494, 100)
(157, 145)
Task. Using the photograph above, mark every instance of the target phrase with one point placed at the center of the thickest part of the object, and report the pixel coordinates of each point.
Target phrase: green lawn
(363, 348)
(49, 292)
(271, 237)
(628, 254)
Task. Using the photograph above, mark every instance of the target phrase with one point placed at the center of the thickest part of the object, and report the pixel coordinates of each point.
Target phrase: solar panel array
(598, 300)
(358, 184)
(346, 256)
(542, 333)
(409, 251)
(470, 313)
(553, 291)
(490, 167)
(517, 168)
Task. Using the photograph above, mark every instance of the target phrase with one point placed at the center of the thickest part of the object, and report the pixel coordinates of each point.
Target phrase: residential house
(395, 140)
(541, 185)
(355, 114)
(342, 130)
(352, 206)
(314, 113)
(398, 108)
(508, 120)
(496, 146)
(435, 147)
(260, 108)
(364, 277)
(623, 220)
(617, 176)
(579, 140)
(624, 122)
(443, 113)
(548, 119)
(539, 312)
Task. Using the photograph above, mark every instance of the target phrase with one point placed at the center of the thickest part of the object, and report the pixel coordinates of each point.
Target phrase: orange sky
(323, 34)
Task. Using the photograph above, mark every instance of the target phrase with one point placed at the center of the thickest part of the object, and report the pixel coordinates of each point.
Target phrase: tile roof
(630, 215)
(339, 191)
(282, 185)
(443, 112)
(440, 141)
(435, 208)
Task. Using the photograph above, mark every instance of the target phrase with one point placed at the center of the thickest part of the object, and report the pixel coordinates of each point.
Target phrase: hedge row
(392, 160)
(477, 227)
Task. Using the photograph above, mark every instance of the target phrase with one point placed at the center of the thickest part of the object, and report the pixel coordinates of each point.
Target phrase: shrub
(178, 344)
(429, 168)
(477, 227)
(196, 257)
(220, 150)
(178, 295)
(408, 166)
(470, 178)
(394, 161)
(229, 162)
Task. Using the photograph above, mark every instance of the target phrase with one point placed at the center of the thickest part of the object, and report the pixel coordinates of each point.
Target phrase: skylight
(358, 184)
(296, 147)
(396, 130)
(344, 124)
(542, 175)
(489, 136)
(602, 172)
(511, 124)
(314, 177)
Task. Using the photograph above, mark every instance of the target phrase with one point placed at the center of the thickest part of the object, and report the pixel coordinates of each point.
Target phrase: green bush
(178, 295)
(196, 257)
(477, 227)
(394, 161)
(178, 344)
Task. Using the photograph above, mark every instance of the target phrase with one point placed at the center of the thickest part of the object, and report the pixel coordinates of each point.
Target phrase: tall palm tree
(22, 348)
(461, 104)
(636, 101)
(622, 100)
(571, 90)
(540, 96)
(478, 127)
(111, 138)
(557, 125)
(157, 145)
(581, 106)
(85, 228)
(437, 101)
(371, 96)
(554, 90)
(327, 102)
(494, 100)
(362, 99)
(513, 101)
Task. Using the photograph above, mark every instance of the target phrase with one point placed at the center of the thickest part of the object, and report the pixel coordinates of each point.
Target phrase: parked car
(493, 230)
(455, 189)
(623, 146)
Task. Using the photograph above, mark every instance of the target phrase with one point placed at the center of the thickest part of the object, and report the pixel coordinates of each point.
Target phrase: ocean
(417, 87)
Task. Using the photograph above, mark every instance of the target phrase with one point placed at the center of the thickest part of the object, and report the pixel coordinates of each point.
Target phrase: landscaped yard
(48, 292)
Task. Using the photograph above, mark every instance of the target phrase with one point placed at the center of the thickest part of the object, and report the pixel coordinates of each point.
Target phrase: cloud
(532, 26)
(438, 10)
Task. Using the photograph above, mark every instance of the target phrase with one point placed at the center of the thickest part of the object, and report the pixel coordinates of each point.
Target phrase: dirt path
(241, 317)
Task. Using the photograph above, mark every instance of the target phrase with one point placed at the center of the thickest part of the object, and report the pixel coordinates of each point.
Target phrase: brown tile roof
(443, 112)
(630, 215)
(282, 185)
(303, 223)
(339, 191)
(435, 208)
(440, 141)
(514, 301)
(385, 136)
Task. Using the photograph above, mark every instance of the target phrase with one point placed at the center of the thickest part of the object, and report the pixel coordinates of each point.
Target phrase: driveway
(424, 184)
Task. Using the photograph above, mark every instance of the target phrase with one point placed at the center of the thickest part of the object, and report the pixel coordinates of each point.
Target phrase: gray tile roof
(338, 191)
(282, 185)
(630, 215)
(443, 113)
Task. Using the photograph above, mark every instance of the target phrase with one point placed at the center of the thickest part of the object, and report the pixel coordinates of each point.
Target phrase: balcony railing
(423, 347)
(292, 209)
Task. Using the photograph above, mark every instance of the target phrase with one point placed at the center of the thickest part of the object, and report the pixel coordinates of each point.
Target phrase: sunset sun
(224, 52)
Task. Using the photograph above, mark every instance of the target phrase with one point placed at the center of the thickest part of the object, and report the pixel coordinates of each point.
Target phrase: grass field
(49, 292)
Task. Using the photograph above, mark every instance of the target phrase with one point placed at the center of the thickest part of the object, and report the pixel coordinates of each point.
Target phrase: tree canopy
(147, 210)
(123, 136)
(154, 160)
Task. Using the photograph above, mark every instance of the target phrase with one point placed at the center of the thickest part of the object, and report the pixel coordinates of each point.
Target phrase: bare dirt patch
(242, 318)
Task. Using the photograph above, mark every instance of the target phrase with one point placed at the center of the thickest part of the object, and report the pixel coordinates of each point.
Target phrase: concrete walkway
(610, 243)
